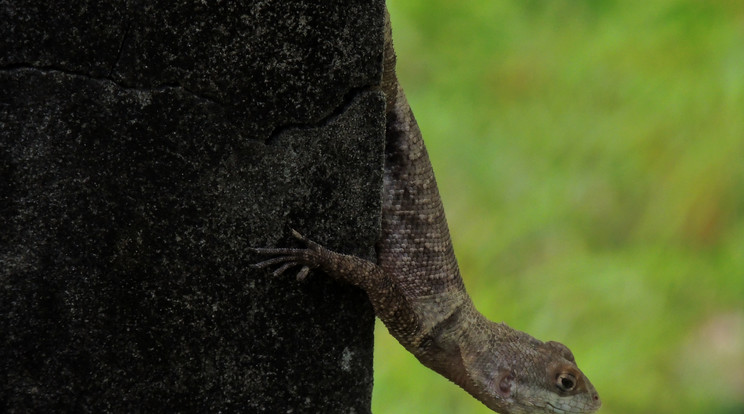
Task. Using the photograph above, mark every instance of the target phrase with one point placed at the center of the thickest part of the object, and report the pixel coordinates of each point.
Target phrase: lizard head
(529, 376)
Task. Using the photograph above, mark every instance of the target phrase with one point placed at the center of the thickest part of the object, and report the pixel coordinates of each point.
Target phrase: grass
(590, 155)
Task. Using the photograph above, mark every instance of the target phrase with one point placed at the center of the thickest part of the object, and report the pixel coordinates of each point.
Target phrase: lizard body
(416, 289)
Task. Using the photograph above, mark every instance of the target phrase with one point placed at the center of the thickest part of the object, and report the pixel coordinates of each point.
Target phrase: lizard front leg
(390, 305)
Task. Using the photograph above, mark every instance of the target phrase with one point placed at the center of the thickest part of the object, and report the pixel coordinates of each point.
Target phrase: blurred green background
(590, 155)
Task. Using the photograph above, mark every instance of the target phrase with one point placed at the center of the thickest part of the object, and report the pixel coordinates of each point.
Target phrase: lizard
(416, 289)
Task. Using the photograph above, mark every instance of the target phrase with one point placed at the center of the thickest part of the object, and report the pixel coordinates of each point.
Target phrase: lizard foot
(308, 258)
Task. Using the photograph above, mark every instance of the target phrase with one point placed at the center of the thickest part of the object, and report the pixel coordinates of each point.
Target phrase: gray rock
(143, 149)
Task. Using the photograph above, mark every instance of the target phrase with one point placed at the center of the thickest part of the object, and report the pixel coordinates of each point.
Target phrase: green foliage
(590, 155)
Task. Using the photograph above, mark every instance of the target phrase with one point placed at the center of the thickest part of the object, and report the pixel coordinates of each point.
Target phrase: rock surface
(143, 148)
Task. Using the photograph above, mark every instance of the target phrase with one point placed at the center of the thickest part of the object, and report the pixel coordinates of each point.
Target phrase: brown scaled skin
(417, 292)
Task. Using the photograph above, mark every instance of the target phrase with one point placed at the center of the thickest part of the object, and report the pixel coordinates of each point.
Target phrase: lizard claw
(288, 257)
(302, 274)
(297, 235)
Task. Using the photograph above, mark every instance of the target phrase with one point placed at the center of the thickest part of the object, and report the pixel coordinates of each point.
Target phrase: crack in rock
(324, 120)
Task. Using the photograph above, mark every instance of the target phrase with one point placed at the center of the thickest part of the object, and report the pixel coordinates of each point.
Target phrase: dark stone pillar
(144, 147)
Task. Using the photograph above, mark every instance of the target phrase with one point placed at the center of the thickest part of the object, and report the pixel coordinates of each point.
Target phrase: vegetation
(590, 155)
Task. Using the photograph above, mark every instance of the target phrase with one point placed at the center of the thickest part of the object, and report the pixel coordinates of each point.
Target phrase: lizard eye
(565, 382)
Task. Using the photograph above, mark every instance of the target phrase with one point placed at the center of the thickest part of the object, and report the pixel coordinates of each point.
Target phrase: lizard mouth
(557, 410)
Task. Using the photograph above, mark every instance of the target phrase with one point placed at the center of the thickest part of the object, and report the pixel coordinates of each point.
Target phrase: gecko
(416, 289)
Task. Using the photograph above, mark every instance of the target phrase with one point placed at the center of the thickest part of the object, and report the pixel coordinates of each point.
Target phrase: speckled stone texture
(144, 146)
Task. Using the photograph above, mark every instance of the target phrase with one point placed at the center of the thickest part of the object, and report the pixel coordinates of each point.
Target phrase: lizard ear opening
(505, 383)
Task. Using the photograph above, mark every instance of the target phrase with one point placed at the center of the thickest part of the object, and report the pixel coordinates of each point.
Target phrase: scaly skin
(417, 292)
